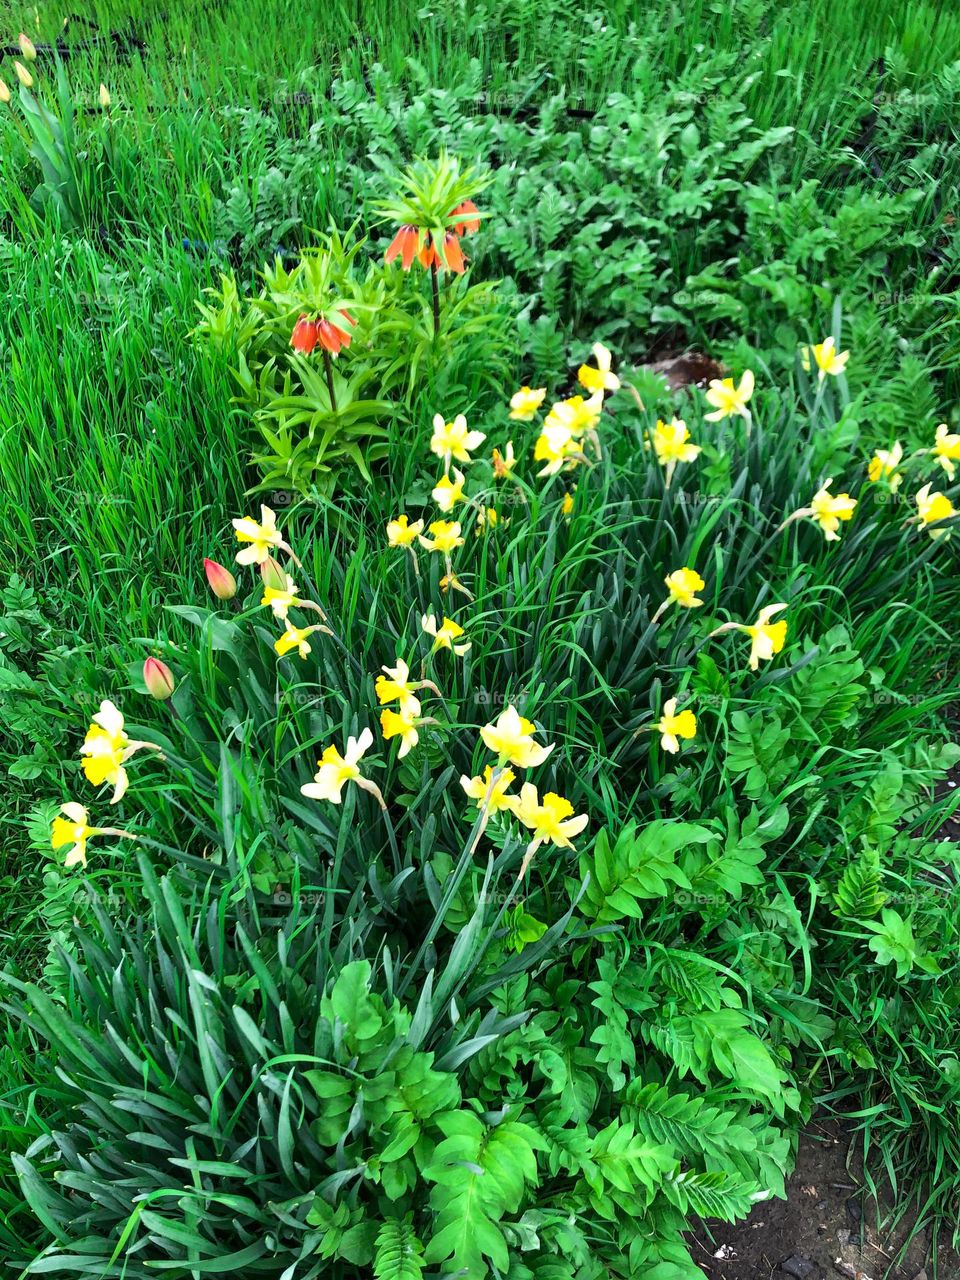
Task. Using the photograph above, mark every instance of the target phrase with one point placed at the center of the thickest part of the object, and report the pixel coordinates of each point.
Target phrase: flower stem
(328, 369)
(435, 285)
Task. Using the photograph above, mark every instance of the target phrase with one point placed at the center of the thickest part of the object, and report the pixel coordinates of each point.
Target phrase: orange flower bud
(222, 582)
(158, 678)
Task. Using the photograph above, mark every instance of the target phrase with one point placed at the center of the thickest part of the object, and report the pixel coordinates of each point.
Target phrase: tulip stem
(328, 369)
(435, 286)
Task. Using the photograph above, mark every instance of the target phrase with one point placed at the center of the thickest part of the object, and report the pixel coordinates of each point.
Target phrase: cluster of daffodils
(104, 754)
(766, 637)
(933, 506)
(571, 424)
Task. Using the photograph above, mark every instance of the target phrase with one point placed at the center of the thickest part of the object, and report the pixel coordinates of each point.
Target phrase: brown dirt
(817, 1229)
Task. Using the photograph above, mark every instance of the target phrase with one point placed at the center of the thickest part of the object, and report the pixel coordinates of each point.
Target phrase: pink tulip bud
(158, 678)
(222, 582)
(273, 574)
(27, 47)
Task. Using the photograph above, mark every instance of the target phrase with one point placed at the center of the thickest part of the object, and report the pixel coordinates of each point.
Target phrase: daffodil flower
(334, 771)
(767, 637)
(827, 510)
(552, 821)
(672, 444)
(598, 379)
(107, 748)
(672, 726)
(402, 725)
(525, 403)
(396, 686)
(281, 599)
(446, 635)
(487, 518)
(511, 739)
(883, 466)
(445, 536)
(826, 357)
(296, 638)
(683, 585)
(579, 416)
(567, 505)
(503, 463)
(400, 533)
(262, 538)
(447, 492)
(947, 449)
(73, 829)
(932, 507)
(454, 440)
(728, 399)
(490, 789)
(556, 447)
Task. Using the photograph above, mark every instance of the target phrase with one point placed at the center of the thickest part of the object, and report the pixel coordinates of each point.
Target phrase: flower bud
(222, 582)
(158, 678)
(23, 75)
(4, 92)
(27, 47)
(273, 574)
(104, 96)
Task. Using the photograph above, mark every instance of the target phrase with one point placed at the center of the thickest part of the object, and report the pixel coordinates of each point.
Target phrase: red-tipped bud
(27, 47)
(273, 574)
(158, 678)
(222, 582)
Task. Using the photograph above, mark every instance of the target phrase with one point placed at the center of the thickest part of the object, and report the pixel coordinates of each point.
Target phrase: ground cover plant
(469, 799)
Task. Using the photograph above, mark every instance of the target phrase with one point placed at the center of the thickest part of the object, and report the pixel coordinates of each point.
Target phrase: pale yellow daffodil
(295, 638)
(511, 738)
(262, 537)
(447, 492)
(106, 749)
(674, 725)
(826, 357)
(490, 790)
(335, 771)
(767, 638)
(683, 585)
(728, 399)
(454, 439)
(525, 403)
(445, 536)
(946, 449)
(827, 510)
(73, 829)
(401, 533)
(932, 507)
(599, 379)
(883, 466)
(446, 635)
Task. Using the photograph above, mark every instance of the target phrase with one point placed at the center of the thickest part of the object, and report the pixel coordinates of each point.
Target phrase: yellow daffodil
(525, 403)
(453, 439)
(883, 466)
(448, 492)
(73, 829)
(728, 399)
(107, 748)
(567, 505)
(826, 357)
(503, 463)
(487, 518)
(767, 637)
(400, 725)
(683, 585)
(552, 820)
(511, 738)
(281, 599)
(598, 379)
(672, 726)
(262, 537)
(932, 507)
(446, 635)
(295, 638)
(557, 448)
(672, 444)
(400, 533)
(947, 449)
(490, 790)
(336, 770)
(576, 414)
(446, 536)
(827, 510)
(396, 686)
